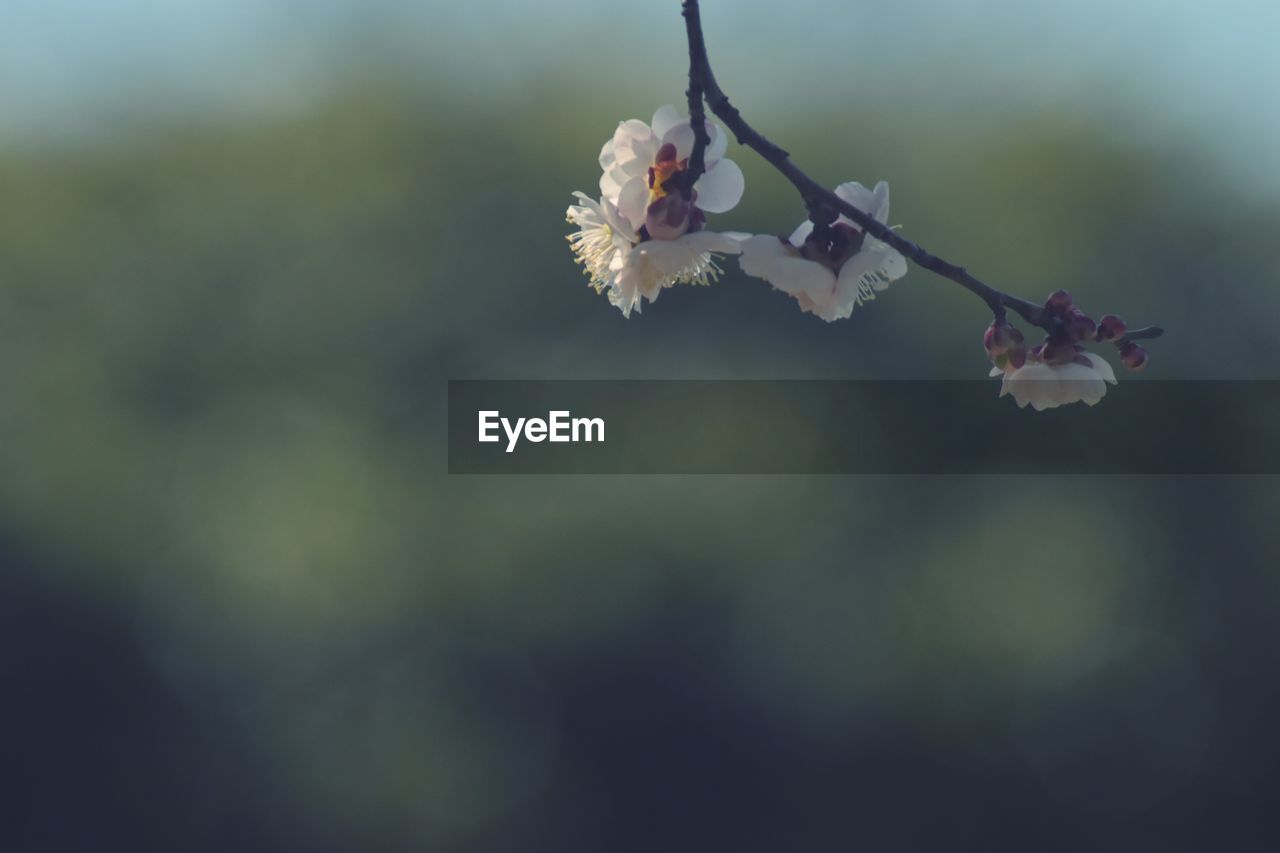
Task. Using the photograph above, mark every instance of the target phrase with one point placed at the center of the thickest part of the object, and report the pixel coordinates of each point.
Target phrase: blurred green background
(244, 245)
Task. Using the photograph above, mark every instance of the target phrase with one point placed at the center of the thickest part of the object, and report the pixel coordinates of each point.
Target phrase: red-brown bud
(999, 336)
(1059, 302)
(1080, 326)
(1133, 356)
(1110, 327)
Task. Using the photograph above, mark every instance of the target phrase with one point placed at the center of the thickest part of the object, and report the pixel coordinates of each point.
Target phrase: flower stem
(823, 204)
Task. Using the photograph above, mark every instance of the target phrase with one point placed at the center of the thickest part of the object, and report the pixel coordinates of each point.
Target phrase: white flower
(637, 162)
(831, 277)
(1046, 386)
(654, 264)
(614, 258)
(602, 240)
(646, 231)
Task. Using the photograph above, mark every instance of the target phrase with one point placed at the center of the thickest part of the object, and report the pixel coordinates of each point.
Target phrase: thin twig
(1144, 333)
(823, 204)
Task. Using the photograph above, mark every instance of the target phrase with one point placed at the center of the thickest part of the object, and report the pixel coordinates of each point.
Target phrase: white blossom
(615, 259)
(646, 231)
(634, 171)
(832, 277)
(1042, 385)
(602, 240)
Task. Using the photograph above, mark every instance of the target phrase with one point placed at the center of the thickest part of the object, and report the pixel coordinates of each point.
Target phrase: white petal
(881, 209)
(712, 241)
(606, 155)
(633, 199)
(1103, 367)
(854, 283)
(611, 185)
(759, 253)
(720, 187)
(718, 145)
(892, 264)
(670, 257)
(681, 136)
(802, 232)
(614, 219)
(798, 276)
(858, 196)
(1044, 386)
(634, 146)
(664, 119)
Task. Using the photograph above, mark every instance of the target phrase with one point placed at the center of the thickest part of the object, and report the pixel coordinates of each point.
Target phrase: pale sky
(1205, 70)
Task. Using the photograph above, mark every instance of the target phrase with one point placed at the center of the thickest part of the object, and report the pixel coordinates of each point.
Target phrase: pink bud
(1059, 302)
(1110, 327)
(1017, 356)
(1133, 356)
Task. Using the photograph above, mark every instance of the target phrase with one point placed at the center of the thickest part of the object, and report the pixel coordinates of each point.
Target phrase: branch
(823, 204)
(695, 94)
(1144, 333)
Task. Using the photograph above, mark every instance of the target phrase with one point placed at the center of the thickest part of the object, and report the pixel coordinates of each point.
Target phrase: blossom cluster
(1060, 369)
(647, 231)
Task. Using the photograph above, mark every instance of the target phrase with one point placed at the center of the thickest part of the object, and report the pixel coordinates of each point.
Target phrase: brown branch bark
(822, 203)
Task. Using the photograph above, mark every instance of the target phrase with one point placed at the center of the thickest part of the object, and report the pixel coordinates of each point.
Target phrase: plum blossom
(1046, 385)
(602, 240)
(615, 259)
(646, 232)
(642, 164)
(832, 270)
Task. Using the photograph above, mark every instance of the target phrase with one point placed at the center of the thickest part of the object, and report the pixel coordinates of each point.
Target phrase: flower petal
(759, 253)
(712, 241)
(892, 264)
(633, 199)
(718, 145)
(802, 232)
(798, 276)
(874, 203)
(681, 136)
(720, 187)
(1103, 367)
(664, 119)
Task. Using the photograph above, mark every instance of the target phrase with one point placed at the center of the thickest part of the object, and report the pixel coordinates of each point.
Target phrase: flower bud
(1080, 326)
(668, 217)
(998, 338)
(1133, 356)
(1017, 356)
(1059, 302)
(1055, 352)
(1110, 327)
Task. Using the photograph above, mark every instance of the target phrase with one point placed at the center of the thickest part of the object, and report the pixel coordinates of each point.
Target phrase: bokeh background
(244, 244)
